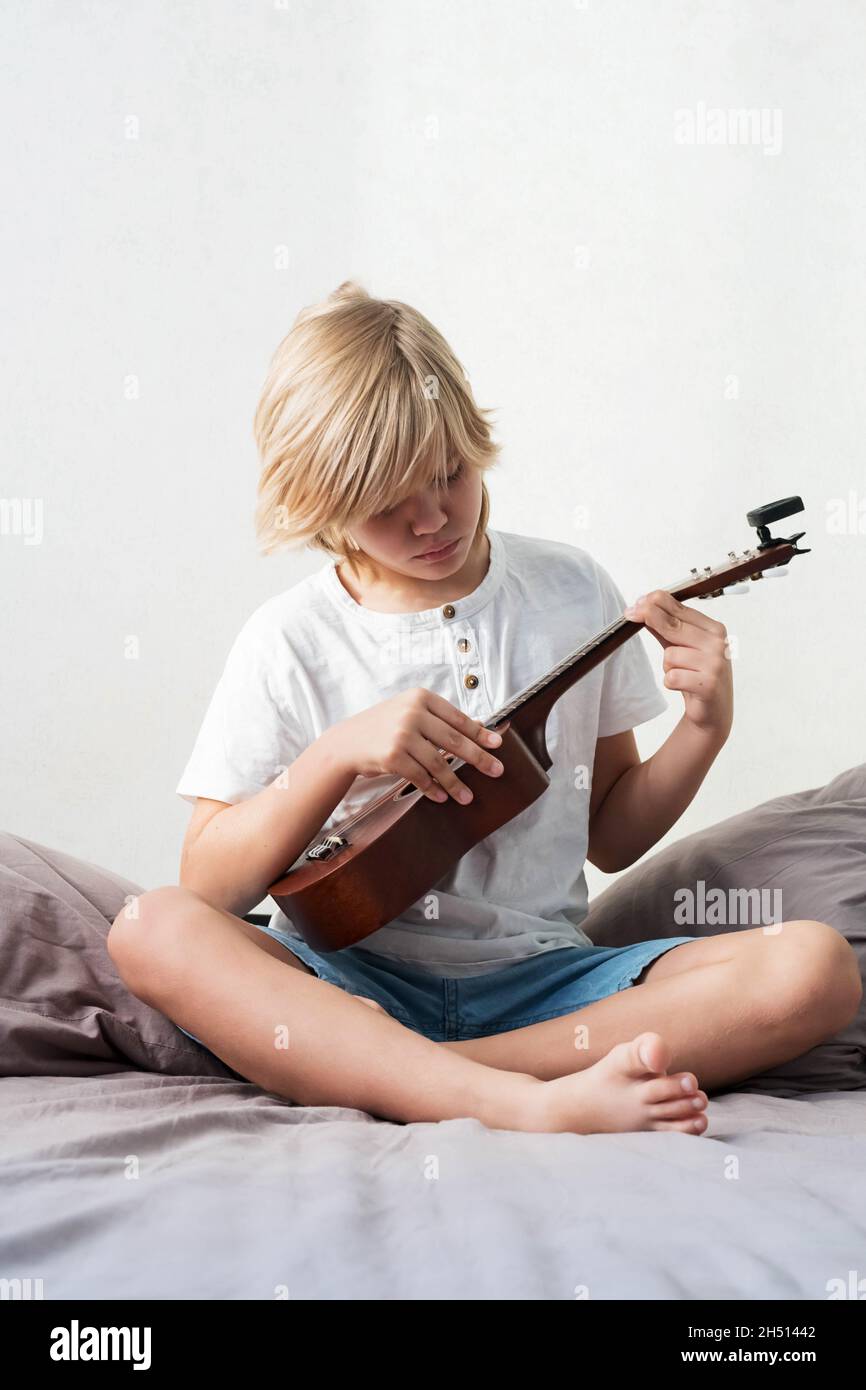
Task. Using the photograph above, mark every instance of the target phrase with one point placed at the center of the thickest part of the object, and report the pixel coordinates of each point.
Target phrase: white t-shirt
(312, 656)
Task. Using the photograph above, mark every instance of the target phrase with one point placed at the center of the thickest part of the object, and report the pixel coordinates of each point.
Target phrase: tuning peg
(777, 571)
(736, 589)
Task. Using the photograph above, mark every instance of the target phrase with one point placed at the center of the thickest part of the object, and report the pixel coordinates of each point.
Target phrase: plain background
(670, 335)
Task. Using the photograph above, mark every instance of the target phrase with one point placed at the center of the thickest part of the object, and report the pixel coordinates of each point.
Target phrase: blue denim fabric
(556, 982)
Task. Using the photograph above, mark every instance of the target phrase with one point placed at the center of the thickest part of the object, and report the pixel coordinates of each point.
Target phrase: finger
(444, 735)
(670, 626)
(414, 771)
(463, 723)
(700, 683)
(677, 627)
(438, 768)
(661, 600)
(693, 659)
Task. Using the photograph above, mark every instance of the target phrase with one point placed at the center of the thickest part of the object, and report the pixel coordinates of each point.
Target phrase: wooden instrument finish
(373, 866)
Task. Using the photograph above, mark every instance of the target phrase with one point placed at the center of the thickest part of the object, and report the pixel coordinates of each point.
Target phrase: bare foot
(628, 1089)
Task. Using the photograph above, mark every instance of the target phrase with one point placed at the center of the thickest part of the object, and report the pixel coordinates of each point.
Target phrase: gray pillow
(64, 1010)
(812, 846)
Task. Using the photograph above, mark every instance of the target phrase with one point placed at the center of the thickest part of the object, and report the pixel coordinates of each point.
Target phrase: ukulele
(380, 861)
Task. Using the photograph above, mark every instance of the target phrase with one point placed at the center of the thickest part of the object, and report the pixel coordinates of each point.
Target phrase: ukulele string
(567, 661)
(498, 717)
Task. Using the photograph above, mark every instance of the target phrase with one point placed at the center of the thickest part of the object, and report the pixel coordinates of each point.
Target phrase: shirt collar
(453, 610)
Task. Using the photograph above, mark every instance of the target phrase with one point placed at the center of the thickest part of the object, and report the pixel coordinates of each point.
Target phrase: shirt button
(470, 681)
(463, 644)
(449, 610)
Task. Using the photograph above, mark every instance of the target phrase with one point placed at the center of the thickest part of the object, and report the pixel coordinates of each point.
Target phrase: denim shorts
(547, 985)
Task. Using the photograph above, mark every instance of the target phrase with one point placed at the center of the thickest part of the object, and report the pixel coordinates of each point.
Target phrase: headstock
(770, 554)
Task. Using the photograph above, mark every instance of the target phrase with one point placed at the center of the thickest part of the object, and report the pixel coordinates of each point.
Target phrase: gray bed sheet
(136, 1186)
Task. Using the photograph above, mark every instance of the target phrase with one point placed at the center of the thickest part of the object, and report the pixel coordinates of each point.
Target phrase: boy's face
(397, 539)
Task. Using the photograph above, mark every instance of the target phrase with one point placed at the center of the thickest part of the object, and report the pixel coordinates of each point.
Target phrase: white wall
(671, 334)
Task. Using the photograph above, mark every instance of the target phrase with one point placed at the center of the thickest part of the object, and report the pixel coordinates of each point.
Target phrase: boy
(486, 998)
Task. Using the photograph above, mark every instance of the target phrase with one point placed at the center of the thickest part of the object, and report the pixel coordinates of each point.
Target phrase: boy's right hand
(403, 736)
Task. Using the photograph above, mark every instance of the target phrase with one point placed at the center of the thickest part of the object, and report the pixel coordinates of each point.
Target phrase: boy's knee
(848, 979)
(827, 974)
(144, 923)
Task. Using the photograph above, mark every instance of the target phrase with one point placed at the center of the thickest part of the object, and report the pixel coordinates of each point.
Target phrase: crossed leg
(729, 1006)
(307, 1040)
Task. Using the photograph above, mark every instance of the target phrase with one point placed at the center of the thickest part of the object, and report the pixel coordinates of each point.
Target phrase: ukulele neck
(528, 711)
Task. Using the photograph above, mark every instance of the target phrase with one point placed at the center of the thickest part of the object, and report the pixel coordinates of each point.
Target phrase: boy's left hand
(696, 658)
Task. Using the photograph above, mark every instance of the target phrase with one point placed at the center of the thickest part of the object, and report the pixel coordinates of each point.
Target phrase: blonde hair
(364, 403)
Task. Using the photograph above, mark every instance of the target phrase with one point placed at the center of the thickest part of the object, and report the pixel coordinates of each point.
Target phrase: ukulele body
(401, 845)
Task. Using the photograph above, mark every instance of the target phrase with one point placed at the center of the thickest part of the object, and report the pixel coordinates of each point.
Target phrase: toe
(668, 1088)
(647, 1052)
(695, 1126)
(684, 1109)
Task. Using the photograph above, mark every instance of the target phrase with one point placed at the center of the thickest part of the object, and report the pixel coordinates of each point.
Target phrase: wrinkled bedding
(137, 1185)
